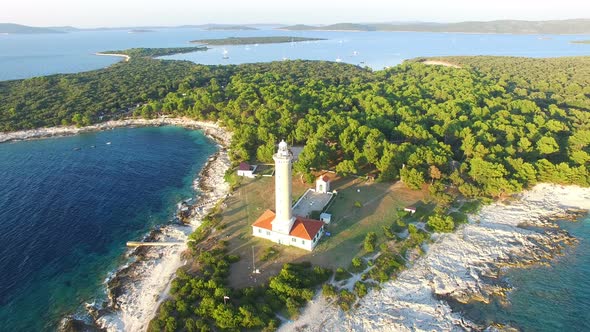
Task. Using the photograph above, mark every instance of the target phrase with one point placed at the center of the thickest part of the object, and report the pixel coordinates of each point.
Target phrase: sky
(110, 13)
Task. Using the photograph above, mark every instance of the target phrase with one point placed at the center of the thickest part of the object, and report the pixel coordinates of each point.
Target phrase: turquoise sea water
(23, 56)
(547, 298)
(65, 214)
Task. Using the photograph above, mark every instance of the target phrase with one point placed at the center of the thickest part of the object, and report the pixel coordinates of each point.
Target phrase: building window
(268, 233)
(259, 230)
(302, 241)
(294, 239)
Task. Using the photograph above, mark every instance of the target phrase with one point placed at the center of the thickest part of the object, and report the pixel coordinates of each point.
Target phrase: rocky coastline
(461, 267)
(135, 290)
(211, 129)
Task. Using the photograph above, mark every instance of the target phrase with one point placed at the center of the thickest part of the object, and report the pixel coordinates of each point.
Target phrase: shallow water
(546, 298)
(65, 214)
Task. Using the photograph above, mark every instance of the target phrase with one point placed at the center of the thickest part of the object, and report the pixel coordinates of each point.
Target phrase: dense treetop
(490, 128)
(156, 52)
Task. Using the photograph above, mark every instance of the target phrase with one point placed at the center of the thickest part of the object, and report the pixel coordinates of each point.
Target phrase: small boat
(108, 143)
(338, 59)
(225, 54)
(93, 146)
(77, 149)
(285, 58)
(355, 53)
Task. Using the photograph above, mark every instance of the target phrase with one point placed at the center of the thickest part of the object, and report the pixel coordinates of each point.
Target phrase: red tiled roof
(302, 228)
(265, 220)
(325, 178)
(244, 167)
(306, 228)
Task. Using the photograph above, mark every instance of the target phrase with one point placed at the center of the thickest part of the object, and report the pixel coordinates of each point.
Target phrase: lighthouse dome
(283, 145)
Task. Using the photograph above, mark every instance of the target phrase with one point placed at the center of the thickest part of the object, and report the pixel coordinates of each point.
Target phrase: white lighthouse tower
(284, 219)
(281, 226)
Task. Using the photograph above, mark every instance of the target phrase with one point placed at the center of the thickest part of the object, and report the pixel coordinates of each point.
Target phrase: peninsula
(153, 52)
(254, 40)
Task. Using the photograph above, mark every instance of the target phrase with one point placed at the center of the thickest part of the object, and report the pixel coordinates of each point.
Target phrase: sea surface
(66, 214)
(23, 56)
(553, 297)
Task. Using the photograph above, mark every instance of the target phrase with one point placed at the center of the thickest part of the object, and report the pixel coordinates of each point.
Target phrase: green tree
(346, 167)
(370, 242)
(441, 224)
(412, 177)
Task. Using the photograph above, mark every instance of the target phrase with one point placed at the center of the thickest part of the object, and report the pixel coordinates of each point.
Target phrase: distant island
(580, 42)
(253, 40)
(10, 28)
(230, 28)
(140, 30)
(152, 52)
(574, 26)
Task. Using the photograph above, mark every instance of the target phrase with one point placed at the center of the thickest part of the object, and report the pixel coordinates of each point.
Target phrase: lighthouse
(281, 226)
(284, 215)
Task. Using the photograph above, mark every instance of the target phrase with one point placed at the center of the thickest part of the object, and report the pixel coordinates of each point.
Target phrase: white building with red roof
(322, 184)
(281, 226)
(247, 170)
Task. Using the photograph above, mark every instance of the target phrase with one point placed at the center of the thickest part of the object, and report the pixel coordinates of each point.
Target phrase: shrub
(357, 264)
(346, 299)
(328, 290)
(341, 274)
(360, 289)
(370, 241)
(440, 223)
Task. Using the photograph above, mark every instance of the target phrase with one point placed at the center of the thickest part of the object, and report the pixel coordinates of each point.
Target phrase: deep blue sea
(23, 56)
(66, 214)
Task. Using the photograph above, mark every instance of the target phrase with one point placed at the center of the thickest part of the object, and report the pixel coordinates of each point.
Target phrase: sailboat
(225, 54)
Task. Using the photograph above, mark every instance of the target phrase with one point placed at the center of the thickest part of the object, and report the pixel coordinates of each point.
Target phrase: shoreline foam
(458, 266)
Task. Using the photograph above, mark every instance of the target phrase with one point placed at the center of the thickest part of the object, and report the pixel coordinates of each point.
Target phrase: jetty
(152, 244)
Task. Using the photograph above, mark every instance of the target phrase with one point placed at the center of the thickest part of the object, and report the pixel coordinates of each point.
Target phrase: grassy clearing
(379, 203)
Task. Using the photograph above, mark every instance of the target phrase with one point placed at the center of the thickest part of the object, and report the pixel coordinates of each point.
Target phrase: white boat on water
(108, 143)
(338, 59)
(225, 54)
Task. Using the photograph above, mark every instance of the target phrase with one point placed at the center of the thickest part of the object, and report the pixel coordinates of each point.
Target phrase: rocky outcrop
(462, 266)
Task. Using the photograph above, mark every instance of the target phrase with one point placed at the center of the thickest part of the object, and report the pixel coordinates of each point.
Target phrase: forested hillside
(490, 128)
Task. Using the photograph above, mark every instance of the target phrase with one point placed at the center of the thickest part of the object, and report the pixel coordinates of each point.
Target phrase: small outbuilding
(246, 170)
(326, 217)
(322, 184)
(410, 209)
